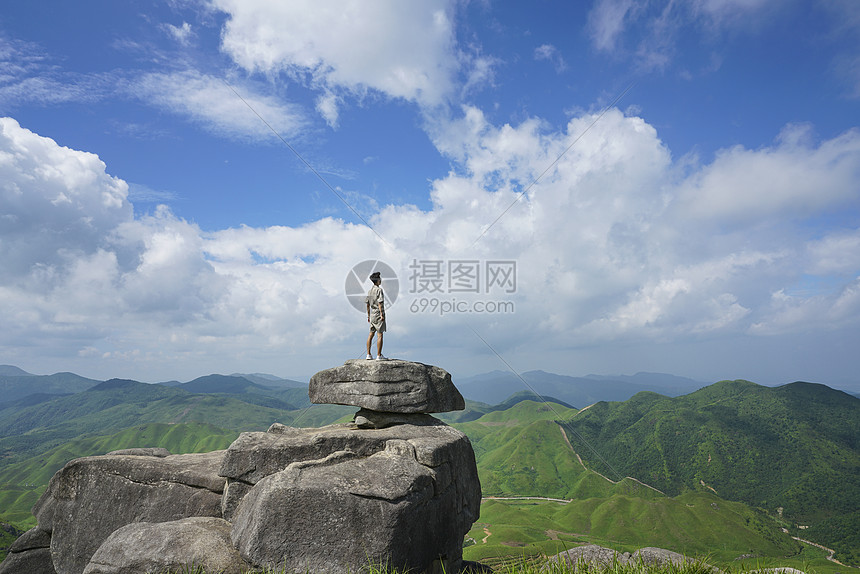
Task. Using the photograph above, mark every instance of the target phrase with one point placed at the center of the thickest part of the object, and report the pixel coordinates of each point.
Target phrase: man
(375, 302)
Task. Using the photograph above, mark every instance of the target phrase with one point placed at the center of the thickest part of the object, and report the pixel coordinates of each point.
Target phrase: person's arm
(368, 310)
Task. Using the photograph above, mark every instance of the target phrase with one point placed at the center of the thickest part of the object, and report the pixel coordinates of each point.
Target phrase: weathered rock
(445, 450)
(29, 553)
(592, 555)
(368, 419)
(392, 386)
(344, 512)
(35, 561)
(168, 546)
(91, 497)
(145, 451)
(660, 556)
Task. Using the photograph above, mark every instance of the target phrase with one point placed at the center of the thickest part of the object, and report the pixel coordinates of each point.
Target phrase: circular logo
(358, 283)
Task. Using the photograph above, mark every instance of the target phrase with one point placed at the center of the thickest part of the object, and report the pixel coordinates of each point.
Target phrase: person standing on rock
(375, 302)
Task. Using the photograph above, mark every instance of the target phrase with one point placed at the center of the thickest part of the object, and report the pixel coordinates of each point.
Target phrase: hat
(374, 276)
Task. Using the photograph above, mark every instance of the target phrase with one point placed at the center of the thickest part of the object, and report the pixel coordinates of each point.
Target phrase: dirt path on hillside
(826, 549)
(579, 458)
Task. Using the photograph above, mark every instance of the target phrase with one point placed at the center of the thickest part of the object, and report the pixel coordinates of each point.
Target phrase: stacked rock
(396, 488)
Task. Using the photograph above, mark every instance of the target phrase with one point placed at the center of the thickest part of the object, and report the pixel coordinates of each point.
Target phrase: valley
(742, 473)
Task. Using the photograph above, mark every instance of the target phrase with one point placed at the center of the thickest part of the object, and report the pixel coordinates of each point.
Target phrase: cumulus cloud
(611, 244)
(399, 49)
(792, 178)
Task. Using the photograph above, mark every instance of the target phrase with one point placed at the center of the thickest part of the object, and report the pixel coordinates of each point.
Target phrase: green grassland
(792, 450)
(720, 464)
(22, 483)
(523, 452)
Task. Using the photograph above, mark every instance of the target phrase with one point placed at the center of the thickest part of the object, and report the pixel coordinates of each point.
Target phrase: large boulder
(590, 556)
(30, 553)
(392, 386)
(256, 455)
(338, 498)
(92, 497)
(175, 546)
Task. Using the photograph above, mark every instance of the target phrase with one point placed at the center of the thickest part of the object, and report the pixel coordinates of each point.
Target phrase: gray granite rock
(392, 386)
(91, 497)
(30, 553)
(174, 546)
(591, 555)
(146, 451)
(345, 511)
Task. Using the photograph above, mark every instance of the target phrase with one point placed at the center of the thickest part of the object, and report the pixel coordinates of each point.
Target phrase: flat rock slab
(392, 386)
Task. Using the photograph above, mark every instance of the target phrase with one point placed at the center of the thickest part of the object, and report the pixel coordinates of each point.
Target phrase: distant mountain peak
(13, 371)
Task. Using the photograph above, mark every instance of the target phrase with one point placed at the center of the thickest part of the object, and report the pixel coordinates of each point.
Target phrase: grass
(542, 564)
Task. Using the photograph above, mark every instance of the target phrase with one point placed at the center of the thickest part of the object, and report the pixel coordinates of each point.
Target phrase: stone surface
(392, 386)
(91, 497)
(329, 499)
(660, 556)
(368, 419)
(345, 512)
(175, 546)
(591, 554)
(30, 553)
(147, 451)
(36, 561)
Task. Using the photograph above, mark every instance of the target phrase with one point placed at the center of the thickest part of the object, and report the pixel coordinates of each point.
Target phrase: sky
(611, 186)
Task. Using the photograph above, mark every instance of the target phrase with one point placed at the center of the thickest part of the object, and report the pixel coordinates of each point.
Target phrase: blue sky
(154, 226)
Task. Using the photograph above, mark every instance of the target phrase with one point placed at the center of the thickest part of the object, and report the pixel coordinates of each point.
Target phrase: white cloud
(550, 53)
(225, 109)
(648, 30)
(401, 49)
(182, 34)
(791, 178)
(610, 246)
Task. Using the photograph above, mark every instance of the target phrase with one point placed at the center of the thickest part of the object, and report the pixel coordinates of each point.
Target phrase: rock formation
(397, 487)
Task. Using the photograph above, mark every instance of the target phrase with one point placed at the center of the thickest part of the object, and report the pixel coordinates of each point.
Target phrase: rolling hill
(729, 464)
(496, 386)
(792, 450)
(16, 384)
(539, 496)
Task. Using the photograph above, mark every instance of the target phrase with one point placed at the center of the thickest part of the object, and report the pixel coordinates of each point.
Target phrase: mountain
(523, 452)
(792, 450)
(494, 387)
(24, 481)
(17, 384)
(271, 380)
(13, 371)
(116, 404)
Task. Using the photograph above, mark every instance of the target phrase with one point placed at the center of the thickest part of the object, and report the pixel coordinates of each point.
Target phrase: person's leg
(369, 341)
(379, 343)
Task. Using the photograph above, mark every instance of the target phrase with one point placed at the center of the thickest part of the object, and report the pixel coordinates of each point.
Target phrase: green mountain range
(793, 451)
(720, 471)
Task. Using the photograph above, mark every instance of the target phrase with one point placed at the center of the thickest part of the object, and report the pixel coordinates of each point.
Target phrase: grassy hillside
(792, 450)
(695, 524)
(16, 384)
(118, 404)
(522, 452)
(22, 483)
